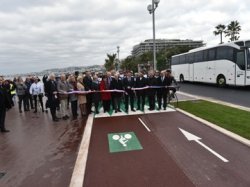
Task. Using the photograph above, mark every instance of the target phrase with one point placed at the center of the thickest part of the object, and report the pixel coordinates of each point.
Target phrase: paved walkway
(38, 152)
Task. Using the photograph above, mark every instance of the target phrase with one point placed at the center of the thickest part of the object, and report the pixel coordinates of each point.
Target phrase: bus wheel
(181, 78)
(221, 81)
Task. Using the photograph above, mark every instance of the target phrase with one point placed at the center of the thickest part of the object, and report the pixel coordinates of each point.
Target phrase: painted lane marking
(77, 178)
(191, 137)
(144, 125)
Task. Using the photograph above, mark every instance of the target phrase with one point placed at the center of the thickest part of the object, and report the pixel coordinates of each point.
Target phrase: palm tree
(220, 29)
(110, 62)
(233, 30)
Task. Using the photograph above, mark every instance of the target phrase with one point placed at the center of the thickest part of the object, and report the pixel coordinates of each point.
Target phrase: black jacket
(87, 81)
(128, 84)
(96, 96)
(161, 82)
(140, 83)
(5, 100)
(152, 81)
(116, 84)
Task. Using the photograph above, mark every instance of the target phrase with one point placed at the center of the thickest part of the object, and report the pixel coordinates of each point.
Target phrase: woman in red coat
(105, 96)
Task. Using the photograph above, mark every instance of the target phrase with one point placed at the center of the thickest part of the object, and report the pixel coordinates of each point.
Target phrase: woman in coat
(81, 97)
(105, 96)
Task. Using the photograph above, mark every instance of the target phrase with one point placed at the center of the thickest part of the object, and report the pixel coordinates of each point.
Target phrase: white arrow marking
(192, 137)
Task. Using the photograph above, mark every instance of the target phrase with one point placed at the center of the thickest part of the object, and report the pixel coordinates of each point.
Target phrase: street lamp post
(151, 8)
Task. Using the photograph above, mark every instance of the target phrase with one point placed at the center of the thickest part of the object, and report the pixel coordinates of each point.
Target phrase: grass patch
(232, 119)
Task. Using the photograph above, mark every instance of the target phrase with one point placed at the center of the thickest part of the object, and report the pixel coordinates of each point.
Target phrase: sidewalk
(37, 151)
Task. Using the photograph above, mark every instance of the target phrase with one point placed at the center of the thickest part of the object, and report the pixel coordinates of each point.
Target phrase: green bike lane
(163, 156)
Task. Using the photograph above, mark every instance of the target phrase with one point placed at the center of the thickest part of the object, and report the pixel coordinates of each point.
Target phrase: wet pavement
(37, 151)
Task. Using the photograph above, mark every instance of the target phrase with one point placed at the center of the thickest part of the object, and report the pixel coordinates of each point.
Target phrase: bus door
(240, 67)
(191, 71)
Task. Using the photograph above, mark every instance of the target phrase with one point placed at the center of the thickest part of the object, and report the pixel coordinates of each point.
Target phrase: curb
(217, 128)
(77, 178)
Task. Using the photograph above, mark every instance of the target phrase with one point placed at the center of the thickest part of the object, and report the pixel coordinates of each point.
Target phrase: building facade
(160, 44)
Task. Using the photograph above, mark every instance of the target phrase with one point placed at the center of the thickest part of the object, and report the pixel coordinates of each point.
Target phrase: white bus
(222, 64)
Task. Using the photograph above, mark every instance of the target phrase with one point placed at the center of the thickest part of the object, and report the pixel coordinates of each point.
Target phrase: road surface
(167, 158)
(235, 95)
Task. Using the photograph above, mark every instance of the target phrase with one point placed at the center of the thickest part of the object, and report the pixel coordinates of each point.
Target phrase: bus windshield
(248, 54)
(248, 58)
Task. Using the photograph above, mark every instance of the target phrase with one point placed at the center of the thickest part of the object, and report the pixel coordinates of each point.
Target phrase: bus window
(248, 58)
(183, 59)
(190, 58)
(205, 55)
(248, 54)
(175, 60)
(240, 60)
(198, 56)
(211, 54)
(225, 53)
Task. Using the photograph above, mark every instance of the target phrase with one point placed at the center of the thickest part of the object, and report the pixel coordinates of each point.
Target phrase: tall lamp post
(151, 8)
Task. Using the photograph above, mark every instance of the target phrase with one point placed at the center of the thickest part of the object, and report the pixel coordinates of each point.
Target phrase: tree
(233, 30)
(163, 58)
(220, 29)
(110, 62)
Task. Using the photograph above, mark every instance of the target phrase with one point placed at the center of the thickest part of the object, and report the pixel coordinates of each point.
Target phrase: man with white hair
(51, 91)
(63, 88)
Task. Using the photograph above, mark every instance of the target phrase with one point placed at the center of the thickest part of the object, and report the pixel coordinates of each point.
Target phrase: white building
(160, 44)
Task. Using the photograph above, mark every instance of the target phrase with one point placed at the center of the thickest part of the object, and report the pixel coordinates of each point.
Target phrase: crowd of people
(84, 90)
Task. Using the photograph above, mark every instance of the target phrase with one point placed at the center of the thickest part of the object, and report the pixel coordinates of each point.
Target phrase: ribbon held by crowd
(114, 90)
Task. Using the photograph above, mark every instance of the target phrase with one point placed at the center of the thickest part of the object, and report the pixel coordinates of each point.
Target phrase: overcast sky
(41, 34)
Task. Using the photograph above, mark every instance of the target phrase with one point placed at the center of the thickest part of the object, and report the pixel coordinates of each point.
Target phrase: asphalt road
(168, 158)
(235, 95)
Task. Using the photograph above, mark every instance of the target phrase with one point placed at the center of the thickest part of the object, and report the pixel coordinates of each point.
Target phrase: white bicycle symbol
(122, 139)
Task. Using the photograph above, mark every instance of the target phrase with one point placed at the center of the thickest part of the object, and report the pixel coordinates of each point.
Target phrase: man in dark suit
(116, 84)
(5, 104)
(87, 81)
(128, 84)
(52, 94)
(140, 83)
(151, 91)
(162, 92)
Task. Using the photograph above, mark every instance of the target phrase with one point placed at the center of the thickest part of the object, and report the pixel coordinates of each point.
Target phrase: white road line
(218, 128)
(212, 151)
(77, 178)
(144, 125)
(192, 137)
